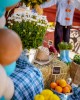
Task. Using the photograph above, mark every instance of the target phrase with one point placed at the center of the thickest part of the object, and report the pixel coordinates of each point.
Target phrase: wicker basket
(75, 73)
(47, 71)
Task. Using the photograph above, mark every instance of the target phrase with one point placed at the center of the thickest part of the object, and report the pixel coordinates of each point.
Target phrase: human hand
(38, 9)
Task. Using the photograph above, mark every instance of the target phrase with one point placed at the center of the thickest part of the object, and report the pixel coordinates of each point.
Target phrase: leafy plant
(62, 46)
(69, 46)
(76, 59)
(31, 27)
(65, 46)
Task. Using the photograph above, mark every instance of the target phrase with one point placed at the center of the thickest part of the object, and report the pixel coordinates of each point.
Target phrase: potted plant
(31, 27)
(69, 47)
(64, 48)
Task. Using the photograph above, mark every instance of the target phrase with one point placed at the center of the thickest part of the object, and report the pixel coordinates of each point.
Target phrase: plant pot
(63, 56)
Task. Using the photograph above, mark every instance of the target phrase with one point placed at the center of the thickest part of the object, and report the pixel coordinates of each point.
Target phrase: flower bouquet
(30, 26)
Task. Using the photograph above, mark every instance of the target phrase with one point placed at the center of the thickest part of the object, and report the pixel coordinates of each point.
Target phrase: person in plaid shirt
(28, 80)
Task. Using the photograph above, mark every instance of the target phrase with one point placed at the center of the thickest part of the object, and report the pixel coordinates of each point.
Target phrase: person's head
(10, 46)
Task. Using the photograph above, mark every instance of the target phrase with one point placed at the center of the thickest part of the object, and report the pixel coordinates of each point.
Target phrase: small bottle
(69, 81)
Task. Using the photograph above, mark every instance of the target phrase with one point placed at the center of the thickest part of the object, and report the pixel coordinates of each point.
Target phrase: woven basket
(47, 71)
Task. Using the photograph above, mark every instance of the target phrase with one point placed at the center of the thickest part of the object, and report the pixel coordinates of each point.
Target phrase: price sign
(56, 70)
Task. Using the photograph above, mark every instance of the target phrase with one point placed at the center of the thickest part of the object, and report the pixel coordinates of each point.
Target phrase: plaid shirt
(27, 80)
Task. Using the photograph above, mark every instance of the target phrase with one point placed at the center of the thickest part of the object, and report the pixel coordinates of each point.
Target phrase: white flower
(29, 16)
(43, 25)
(18, 20)
(33, 20)
(39, 24)
(11, 24)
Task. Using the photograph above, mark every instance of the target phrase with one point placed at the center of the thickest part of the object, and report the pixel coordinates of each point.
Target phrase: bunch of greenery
(70, 46)
(31, 27)
(65, 46)
(76, 59)
(33, 2)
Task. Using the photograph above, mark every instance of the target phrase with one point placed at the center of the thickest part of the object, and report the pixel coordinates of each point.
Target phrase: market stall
(53, 69)
(39, 73)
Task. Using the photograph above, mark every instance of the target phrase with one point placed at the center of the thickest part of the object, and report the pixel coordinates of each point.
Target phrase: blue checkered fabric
(75, 95)
(28, 80)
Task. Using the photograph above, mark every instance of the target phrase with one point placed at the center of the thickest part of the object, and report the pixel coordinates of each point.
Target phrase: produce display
(61, 86)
